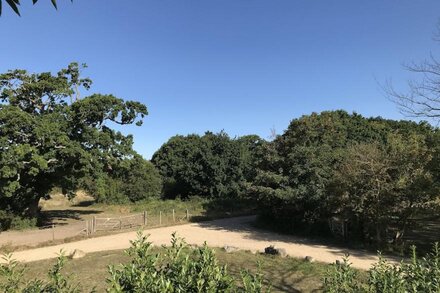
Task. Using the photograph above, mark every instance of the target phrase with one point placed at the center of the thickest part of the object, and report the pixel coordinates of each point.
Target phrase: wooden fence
(143, 219)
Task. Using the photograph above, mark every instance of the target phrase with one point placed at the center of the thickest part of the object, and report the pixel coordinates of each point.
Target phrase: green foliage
(10, 220)
(383, 185)
(49, 137)
(341, 278)
(14, 4)
(212, 165)
(178, 269)
(11, 276)
(418, 275)
(131, 180)
(322, 166)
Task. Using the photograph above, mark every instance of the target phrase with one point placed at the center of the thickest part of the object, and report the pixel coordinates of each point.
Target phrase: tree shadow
(62, 217)
(225, 208)
(245, 225)
(84, 203)
(423, 234)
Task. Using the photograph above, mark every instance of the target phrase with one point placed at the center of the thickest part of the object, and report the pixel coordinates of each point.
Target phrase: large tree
(298, 168)
(380, 186)
(212, 165)
(50, 138)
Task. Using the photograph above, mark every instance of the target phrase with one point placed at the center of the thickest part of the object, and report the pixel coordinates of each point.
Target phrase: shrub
(10, 220)
(12, 273)
(178, 269)
(341, 278)
(418, 275)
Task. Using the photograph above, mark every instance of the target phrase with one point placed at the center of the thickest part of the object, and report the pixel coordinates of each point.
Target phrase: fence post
(174, 217)
(120, 224)
(87, 228)
(160, 218)
(94, 224)
(145, 218)
(53, 232)
(187, 215)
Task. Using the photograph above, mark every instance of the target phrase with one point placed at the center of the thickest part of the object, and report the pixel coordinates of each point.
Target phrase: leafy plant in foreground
(417, 275)
(178, 269)
(11, 276)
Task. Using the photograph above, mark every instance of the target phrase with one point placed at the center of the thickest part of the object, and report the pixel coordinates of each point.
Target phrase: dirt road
(236, 232)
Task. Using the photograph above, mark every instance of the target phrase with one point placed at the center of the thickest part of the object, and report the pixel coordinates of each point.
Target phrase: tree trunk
(34, 210)
(378, 234)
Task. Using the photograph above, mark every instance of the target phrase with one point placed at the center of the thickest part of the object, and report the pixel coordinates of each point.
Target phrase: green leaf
(13, 4)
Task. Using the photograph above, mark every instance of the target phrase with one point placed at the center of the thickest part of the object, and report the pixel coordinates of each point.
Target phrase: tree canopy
(212, 165)
(49, 138)
(296, 177)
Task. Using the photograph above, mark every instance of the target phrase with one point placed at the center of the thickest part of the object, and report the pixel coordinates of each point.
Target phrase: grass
(285, 274)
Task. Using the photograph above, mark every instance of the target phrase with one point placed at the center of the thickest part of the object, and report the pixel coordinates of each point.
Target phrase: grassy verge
(199, 208)
(285, 274)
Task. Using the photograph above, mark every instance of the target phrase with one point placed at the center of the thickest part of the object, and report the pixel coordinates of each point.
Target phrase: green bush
(342, 278)
(132, 180)
(12, 281)
(178, 269)
(10, 220)
(418, 275)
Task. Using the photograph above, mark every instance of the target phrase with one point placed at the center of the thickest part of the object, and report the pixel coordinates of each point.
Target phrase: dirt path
(236, 232)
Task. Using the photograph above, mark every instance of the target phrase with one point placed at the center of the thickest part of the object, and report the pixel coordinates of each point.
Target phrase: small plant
(253, 283)
(341, 278)
(11, 276)
(418, 275)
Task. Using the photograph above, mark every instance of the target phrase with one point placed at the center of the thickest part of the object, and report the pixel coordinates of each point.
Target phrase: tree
(46, 141)
(14, 4)
(422, 99)
(131, 180)
(381, 186)
(212, 165)
(295, 176)
(297, 166)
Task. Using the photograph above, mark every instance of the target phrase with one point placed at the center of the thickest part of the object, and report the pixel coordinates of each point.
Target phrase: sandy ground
(236, 232)
(35, 237)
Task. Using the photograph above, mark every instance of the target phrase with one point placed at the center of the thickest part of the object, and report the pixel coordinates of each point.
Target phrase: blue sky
(244, 66)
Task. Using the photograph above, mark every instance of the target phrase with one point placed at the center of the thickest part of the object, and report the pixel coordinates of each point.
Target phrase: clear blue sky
(244, 66)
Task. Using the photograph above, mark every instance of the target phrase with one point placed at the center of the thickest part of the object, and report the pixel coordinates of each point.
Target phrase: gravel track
(237, 232)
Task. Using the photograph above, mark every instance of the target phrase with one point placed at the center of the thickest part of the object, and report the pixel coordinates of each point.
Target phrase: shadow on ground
(64, 217)
(246, 226)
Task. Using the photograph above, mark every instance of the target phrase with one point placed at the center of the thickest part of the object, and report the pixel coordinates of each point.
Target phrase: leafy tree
(296, 171)
(382, 186)
(14, 4)
(131, 180)
(46, 141)
(212, 165)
